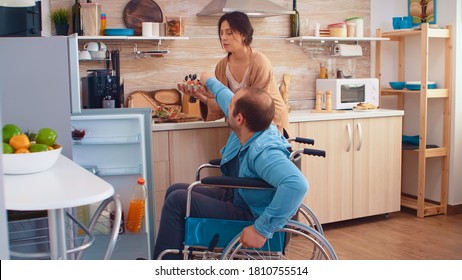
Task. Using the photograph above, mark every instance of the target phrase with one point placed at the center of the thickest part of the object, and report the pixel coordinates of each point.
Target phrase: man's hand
(250, 238)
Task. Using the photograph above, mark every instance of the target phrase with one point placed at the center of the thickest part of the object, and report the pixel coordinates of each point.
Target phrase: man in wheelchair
(255, 149)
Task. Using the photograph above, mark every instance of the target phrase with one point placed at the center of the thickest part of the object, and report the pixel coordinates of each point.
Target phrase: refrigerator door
(37, 78)
(117, 147)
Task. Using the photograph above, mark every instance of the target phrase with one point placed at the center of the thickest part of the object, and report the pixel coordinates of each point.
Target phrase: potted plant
(60, 17)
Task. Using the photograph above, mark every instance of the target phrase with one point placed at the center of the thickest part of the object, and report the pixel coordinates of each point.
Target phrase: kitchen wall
(202, 51)
(447, 13)
(301, 62)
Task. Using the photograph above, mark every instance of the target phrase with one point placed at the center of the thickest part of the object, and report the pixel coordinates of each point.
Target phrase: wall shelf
(314, 39)
(131, 38)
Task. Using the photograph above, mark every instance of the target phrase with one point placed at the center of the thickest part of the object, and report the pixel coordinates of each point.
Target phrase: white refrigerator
(40, 87)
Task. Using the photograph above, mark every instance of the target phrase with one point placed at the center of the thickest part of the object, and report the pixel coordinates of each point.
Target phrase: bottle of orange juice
(137, 206)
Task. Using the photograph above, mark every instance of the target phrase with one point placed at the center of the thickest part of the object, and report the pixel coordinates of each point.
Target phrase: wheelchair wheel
(306, 216)
(300, 243)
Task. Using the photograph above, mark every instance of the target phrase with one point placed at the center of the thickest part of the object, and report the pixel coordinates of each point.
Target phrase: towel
(347, 50)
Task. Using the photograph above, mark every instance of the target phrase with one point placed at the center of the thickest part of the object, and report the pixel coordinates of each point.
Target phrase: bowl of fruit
(26, 153)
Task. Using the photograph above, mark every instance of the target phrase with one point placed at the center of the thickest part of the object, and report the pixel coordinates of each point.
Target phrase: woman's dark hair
(257, 108)
(238, 22)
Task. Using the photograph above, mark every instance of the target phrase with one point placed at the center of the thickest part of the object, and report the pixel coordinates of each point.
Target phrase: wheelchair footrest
(201, 232)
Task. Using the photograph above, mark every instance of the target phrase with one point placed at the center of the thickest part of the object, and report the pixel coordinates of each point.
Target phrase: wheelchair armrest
(211, 164)
(235, 182)
(216, 161)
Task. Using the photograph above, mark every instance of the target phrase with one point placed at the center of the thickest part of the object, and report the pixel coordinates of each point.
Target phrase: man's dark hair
(238, 22)
(257, 107)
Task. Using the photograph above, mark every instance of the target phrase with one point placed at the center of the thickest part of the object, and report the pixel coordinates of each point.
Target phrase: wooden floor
(401, 236)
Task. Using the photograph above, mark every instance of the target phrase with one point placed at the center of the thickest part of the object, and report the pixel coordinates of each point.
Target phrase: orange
(20, 141)
(22, 151)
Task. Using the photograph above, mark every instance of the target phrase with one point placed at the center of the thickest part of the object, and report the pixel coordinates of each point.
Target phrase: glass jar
(174, 26)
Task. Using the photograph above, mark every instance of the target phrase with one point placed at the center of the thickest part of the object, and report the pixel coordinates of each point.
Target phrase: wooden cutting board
(185, 119)
(138, 11)
(167, 96)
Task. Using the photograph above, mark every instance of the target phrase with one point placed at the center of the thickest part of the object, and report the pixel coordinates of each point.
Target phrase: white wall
(448, 12)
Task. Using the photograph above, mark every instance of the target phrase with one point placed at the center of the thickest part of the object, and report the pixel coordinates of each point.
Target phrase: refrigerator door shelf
(109, 140)
(120, 171)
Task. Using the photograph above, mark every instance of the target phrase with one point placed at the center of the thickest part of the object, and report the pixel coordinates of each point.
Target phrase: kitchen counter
(294, 117)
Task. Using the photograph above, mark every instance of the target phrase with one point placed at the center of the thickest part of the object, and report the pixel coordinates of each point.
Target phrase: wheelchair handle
(302, 140)
(313, 152)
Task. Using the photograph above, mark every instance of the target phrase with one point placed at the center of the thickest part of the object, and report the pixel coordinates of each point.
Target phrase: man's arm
(222, 94)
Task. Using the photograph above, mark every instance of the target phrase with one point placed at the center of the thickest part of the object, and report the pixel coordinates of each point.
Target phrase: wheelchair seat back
(201, 232)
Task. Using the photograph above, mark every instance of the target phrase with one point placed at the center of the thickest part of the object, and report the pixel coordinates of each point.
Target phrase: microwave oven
(347, 93)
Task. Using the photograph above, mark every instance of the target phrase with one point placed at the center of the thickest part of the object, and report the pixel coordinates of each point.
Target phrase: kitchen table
(65, 185)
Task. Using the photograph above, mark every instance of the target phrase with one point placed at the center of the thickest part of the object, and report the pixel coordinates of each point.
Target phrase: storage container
(338, 29)
(359, 25)
(174, 26)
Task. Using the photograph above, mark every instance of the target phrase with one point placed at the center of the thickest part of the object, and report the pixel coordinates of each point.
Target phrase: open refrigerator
(40, 87)
(117, 148)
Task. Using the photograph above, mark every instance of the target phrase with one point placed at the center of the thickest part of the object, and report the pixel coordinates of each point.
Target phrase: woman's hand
(200, 93)
(251, 238)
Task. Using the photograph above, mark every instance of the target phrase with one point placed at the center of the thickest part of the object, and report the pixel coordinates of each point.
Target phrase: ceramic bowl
(415, 85)
(30, 163)
(397, 85)
(98, 55)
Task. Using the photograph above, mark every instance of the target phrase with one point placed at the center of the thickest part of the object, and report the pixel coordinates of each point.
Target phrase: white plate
(363, 110)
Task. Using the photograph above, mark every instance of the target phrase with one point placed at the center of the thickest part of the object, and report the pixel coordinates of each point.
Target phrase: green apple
(10, 130)
(7, 149)
(35, 148)
(46, 136)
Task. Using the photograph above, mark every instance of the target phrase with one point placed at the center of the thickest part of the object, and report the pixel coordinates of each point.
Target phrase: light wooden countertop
(294, 117)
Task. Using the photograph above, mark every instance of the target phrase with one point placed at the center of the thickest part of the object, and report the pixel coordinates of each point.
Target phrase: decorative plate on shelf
(138, 11)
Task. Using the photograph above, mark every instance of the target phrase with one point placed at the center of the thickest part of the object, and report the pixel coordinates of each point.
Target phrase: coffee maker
(102, 88)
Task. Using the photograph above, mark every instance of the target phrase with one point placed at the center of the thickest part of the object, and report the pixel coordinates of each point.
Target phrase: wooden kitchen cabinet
(361, 174)
(178, 154)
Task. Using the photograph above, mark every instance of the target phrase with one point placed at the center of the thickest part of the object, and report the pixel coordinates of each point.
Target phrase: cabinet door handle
(360, 136)
(350, 137)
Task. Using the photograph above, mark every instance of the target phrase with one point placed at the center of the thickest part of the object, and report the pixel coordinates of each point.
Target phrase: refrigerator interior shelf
(116, 171)
(108, 140)
(29, 237)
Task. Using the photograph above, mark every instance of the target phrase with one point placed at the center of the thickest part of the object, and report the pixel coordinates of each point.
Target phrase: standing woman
(242, 67)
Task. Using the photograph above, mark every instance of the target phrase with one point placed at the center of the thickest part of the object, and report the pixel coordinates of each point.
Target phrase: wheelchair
(302, 238)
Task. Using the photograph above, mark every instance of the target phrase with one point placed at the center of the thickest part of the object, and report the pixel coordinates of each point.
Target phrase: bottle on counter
(102, 24)
(76, 18)
(295, 21)
(322, 71)
(137, 206)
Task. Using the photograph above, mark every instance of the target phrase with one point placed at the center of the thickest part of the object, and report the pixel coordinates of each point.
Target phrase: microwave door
(353, 93)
